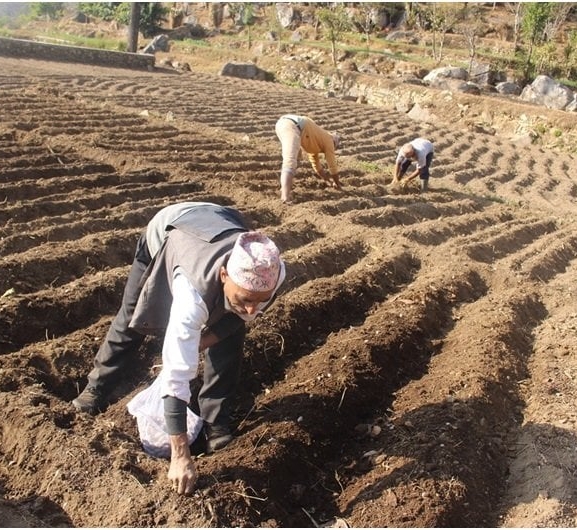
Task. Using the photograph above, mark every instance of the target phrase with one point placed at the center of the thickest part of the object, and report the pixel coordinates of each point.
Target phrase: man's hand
(336, 184)
(182, 471)
(207, 340)
(331, 180)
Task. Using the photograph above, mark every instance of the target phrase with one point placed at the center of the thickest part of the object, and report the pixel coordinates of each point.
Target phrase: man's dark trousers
(222, 362)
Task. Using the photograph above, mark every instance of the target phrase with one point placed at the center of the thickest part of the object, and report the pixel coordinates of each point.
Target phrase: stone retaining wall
(74, 54)
(506, 116)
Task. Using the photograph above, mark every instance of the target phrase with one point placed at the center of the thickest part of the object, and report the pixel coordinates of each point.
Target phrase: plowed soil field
(418, 369)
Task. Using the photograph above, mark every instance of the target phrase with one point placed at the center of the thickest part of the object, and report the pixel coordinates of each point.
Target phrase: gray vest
(200, 242)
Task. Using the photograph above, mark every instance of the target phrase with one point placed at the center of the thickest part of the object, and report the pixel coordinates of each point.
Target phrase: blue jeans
(423, 172)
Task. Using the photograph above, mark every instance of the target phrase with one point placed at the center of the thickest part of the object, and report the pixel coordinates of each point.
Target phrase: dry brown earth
(418, 369)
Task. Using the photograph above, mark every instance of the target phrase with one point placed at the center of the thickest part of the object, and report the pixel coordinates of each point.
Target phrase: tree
(151, 15)
(133, 27)
(535, 18)
(517, 9)
(235, 12)
(557, 18)
(150, 18)
(276, 26)
(47, 10)
(363, 19)
(440, 18)
(242, 14)
(470, 31)
(335, 22)
(216, 10)
(248, 19)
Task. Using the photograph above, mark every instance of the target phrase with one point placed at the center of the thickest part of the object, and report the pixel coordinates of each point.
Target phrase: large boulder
(508, 88)
(246, 71)
(188, 31)
(438, 76)
(451, 78)
(285, 14)
(409, 37)
(546, 91)
(484, 74)
(160, 43)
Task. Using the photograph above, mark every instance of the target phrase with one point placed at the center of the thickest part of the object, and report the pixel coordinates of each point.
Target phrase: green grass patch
(367, 166)
(69, 40)
(101, 43)
(571, 83)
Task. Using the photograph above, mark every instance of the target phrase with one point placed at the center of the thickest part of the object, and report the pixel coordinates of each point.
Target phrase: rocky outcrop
(508, 88)
(246, 71)
(546, 91)
(160, 43)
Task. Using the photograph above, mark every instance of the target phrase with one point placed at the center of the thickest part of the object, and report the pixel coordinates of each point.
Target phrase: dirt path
(417, 370)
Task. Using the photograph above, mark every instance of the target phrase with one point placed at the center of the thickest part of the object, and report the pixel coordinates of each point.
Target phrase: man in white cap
(419, 150)
(197, 276)
(295, 132)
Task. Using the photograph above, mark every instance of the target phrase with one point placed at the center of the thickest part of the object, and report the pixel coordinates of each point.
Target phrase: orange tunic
(315, 140)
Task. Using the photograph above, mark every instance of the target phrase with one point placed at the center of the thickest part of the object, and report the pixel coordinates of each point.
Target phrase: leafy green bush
(570, 55)
(7, 23)
(103, 10)
(151, 14)
(47, 10)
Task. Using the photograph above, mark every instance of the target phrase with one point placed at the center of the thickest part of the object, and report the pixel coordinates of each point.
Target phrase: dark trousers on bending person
(423, 172)
(222, 362)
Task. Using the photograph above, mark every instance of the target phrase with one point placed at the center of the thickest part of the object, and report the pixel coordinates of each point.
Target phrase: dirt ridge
(419, 345)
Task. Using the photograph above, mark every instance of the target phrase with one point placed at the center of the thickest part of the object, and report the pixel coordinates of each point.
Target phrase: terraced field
(417, 370)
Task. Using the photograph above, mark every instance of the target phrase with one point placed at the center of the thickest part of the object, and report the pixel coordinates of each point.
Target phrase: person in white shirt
(198, 275)
(420, 151)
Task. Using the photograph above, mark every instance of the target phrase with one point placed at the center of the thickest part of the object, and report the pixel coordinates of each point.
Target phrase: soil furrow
(77, 201)
(415, 370)
(56, 264)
